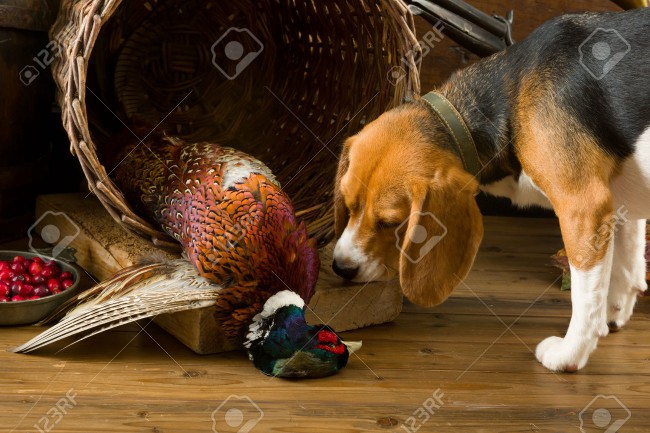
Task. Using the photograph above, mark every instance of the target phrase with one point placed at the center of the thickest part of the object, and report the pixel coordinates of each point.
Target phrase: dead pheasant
(243, 252)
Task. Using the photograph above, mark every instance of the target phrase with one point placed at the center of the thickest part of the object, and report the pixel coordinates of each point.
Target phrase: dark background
(32, 135)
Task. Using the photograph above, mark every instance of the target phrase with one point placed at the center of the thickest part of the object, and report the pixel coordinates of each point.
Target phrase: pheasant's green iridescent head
(322, 355)
(282, 344)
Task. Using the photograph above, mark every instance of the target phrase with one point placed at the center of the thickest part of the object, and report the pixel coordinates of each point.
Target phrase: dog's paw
(620, 304)
(558, 355)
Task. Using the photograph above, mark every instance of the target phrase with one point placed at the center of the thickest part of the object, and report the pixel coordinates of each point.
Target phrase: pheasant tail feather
(132, 294)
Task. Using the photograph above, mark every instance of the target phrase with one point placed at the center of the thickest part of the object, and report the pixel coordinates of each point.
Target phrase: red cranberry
(37, 260)
(53, 284)
(35, 268)
(18, 267)
(4, 265)
(41, 291)
(19, 277)
(48, 272)
(38, 279)
(28, 278)
(4, 289)
(4, 299)
(28, 290)
(7, 275)
(51, 262)
(65, 275)
(33, 298)
(66, 284)
(17, 298)
(18, 259)
(16, 288)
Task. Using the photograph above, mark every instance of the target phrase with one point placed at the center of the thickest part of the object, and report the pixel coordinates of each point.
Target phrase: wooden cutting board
(103, 247)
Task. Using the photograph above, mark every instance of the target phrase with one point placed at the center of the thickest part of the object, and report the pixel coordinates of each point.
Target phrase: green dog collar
(454, 122)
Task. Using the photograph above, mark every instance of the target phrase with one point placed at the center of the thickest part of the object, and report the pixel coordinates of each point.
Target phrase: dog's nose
(347, 273)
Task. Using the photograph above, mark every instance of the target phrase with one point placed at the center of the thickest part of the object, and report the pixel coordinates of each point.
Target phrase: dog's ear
(341, 214)
(442, 237)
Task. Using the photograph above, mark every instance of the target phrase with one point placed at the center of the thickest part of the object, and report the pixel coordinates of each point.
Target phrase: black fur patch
(596, 66)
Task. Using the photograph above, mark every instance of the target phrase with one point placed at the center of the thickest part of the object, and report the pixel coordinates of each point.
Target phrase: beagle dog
(560, 120)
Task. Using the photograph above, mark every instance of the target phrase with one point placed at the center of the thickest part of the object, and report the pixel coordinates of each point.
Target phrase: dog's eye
(383, 224)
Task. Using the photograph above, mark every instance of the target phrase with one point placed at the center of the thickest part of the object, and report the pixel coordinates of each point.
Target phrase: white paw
(620, 305)
(619, 312)
(558, 355)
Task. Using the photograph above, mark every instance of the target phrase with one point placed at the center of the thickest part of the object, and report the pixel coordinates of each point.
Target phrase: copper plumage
(231, 217)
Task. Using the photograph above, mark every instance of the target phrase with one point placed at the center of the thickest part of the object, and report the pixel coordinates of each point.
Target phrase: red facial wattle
(327, 340)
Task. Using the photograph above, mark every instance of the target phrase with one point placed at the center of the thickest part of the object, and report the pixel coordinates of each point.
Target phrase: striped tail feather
(132, 294)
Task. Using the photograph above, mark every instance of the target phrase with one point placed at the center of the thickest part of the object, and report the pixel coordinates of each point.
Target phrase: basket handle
(475, 30)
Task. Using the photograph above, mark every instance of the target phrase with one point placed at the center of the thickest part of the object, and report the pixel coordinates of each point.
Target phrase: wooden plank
(503, 391)
(130, 380)
(103, 248)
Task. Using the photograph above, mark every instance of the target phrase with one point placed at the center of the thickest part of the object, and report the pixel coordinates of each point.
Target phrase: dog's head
(405, 206)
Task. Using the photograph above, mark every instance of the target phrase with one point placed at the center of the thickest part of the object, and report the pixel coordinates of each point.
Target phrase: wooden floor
(474, 353)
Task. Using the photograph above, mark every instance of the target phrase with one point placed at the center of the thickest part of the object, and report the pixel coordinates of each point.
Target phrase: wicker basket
(307, 74)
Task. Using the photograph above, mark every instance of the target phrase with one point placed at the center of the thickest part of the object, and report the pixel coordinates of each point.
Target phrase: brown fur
(567, 164)
(391, 173)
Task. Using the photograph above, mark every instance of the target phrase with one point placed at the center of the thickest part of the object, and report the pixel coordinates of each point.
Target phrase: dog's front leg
(585, 230)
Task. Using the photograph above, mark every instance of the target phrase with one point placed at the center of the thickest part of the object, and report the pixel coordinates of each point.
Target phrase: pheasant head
(280, 343)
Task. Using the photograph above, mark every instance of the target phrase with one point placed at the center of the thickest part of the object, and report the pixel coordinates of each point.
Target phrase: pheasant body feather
(231, 217)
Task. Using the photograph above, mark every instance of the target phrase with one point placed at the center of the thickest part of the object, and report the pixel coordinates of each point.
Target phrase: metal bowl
(31, 311)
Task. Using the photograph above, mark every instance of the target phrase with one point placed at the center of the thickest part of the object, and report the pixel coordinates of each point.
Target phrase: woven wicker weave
(323, 70)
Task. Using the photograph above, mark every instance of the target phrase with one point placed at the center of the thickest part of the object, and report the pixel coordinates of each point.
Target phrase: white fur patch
(628, 271)
(631, 188)
(372, 270)
(348, 254)
(346, 251)
(588, 319)
(522, 192)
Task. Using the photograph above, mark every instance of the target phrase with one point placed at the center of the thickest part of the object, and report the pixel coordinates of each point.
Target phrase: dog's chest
(630, 188)
(522, 192)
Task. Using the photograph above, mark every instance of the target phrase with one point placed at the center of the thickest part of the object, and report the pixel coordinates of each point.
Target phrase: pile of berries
(24, 279)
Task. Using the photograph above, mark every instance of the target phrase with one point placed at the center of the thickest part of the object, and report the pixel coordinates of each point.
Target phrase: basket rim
(76, 30)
